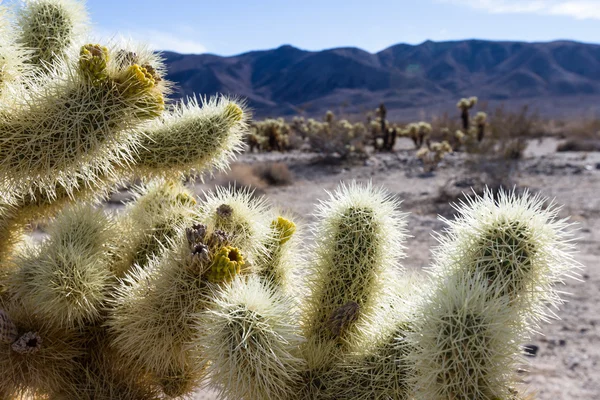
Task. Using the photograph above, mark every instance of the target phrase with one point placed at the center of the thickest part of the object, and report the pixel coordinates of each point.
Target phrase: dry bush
(586, 145)
(243, 177)
(336, 138)
(274, 173)
(506, 135)
(272, 135)
(574, 128)
(444, 126)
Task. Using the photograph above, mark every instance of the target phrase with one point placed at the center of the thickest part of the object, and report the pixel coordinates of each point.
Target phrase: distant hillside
(557, 77)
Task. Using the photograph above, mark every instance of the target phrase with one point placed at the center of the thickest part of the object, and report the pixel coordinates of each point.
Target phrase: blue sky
(234, 26)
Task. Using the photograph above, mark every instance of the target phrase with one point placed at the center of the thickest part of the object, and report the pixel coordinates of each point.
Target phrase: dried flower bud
(200, 252)
(28, 343)
(218, 238)
(195, 234)
(343, 317)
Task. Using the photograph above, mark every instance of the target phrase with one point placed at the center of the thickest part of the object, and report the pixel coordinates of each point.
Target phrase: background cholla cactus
(176, 293)
(269, 135)
(480, 121)
(431, 156)
(464, 105)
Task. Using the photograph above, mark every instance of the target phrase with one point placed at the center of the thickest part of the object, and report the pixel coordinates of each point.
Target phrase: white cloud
(180, 42)
(579, 9)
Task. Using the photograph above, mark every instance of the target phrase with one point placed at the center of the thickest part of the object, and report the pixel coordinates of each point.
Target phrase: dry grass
(255, 177)
(242, 176)
(276, 173)
(578, 144)
(575, 128)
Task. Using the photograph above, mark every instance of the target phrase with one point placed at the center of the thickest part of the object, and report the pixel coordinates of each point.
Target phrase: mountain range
(561, 77)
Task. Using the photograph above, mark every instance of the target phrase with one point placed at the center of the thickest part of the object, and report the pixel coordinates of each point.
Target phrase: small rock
(572, 362)
(530, 350)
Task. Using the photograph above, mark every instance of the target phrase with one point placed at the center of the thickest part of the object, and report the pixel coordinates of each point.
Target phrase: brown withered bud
(224, 211)
(343, 317)
(200, 253)
(28, 343)
(219, 238)
(195, 234)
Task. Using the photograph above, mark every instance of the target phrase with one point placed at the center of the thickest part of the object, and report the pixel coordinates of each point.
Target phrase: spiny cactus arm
(40, 358)
(66, 279)
(155, 306)
(35, 204)
(103, 375)
(13, 57)
(277, 264)
(480, 121)
(379, 367)
(159, 212)
(517, 241)
(465, 343)
(50, 28)
(79, 115)
(158, 305)
(11, 231)
(252, 341)
(358, 245)
(492, 281)
(245, 218)
(383, 373)
(192, 138)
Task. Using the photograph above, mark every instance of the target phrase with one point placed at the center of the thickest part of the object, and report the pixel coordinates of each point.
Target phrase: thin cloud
(158, 40)
(579, 9)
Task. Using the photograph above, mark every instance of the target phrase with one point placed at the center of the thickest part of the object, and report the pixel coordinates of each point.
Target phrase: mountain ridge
(287, 80)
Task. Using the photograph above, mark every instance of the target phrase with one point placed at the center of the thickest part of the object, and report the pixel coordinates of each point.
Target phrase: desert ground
(566, 363)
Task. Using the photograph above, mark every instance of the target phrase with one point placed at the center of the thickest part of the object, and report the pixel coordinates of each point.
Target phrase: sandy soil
(566, 363)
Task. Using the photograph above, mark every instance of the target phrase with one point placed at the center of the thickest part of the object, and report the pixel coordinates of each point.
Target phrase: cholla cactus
(176, 293)
(270, 135)
(362, 335)
(431, 156)
(480, 122)
(336, 137)
(464, 105)
(76, 121)
(418, 131)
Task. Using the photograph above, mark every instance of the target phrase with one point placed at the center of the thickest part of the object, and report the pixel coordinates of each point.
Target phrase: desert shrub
(432, 155)
(271, 135)
(333, 137)
(584, 145)
(274, 173)
(242, 177)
